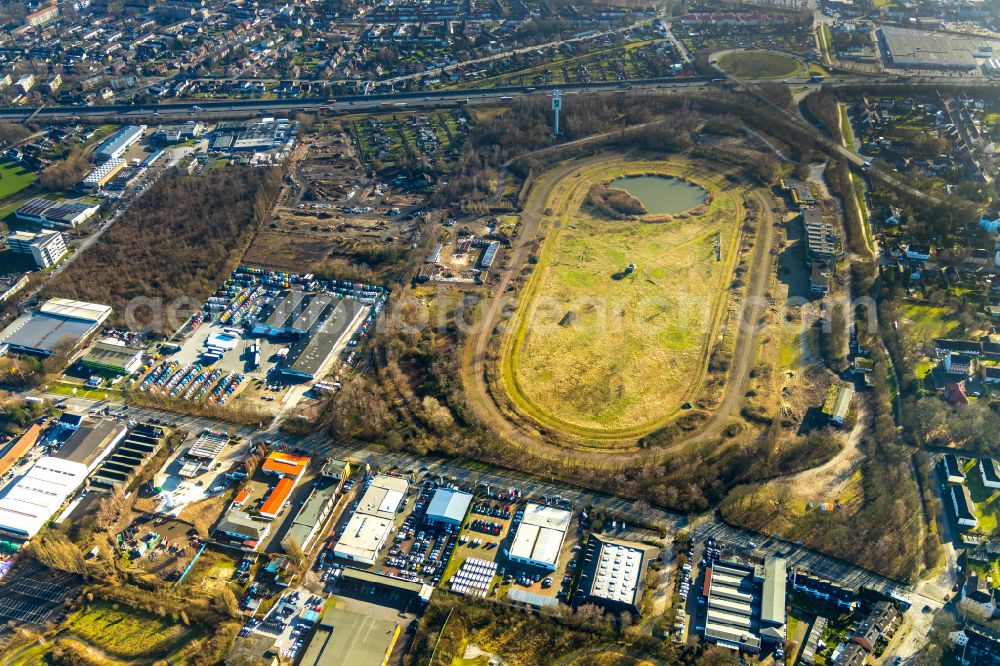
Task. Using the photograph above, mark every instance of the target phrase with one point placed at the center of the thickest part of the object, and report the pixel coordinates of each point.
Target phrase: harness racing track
(648, 374)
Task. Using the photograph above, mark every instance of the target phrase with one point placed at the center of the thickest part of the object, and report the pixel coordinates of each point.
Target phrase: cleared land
(126, 632)
(599, 354)
(759, 65)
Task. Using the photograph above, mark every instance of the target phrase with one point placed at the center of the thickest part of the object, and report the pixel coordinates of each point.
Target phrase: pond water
(662, 195)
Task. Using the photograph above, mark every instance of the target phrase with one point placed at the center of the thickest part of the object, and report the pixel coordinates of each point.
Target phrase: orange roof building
(285, 464)
(19, 448)
(241, 497)
(277, 498)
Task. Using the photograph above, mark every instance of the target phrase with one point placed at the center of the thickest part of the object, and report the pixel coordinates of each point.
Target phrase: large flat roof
(28, 503)
(344, 638)
(56, 321)
(277, 497)
(772, 605)
(363, 537)
(311, 351)
(91, 443)
(449, 505)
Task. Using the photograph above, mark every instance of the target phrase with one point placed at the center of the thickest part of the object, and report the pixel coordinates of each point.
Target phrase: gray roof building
(448, 506)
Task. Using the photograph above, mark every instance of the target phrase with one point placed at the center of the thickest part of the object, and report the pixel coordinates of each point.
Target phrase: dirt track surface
(476, 351)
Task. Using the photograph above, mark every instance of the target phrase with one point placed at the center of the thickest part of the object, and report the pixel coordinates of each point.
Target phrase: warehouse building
(139, 446)
(284, 464)
(613, 574)
(118, 143)
(50, 213)
(203, 453)
(168, 134)
(344, 638)
(919, 49)
(16, 450)
(278, 497)
(448, 507)
(540, 535)
(732, 618)
(57, 321)
(113, 356)
(311, 517)
(372, 523)
(337, 470)
(45, 247)
(243, 528)
(772, 603)
(91, 443)
(30, 502)
(102, 174)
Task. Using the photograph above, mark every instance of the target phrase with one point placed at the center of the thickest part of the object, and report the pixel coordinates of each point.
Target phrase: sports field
(14, 178)
(600, 352)
(759, 65)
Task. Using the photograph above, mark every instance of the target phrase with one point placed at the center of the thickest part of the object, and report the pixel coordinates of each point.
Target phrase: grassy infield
(759, 65)
(639, 346)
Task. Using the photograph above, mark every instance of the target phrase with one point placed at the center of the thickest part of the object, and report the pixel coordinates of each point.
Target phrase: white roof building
(30, 502)
(448, 506)
(540, 535)
(372, 523)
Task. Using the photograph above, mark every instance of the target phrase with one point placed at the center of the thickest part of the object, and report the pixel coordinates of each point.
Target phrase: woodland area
(524, 638)
(172, 248)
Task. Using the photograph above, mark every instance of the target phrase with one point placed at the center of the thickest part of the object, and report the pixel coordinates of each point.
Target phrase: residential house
(978, 592)
(918, 252)
(952, 470)
(877, 625)
(959, 364)
(955, 394)
(961, 500)
(990, 472)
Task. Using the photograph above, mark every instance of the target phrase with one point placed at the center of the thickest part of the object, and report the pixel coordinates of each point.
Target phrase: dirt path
(476, 356)
(827, 481)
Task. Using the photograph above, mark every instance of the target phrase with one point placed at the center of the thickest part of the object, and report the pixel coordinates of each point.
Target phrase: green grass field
(126, 632)
(14, 178)
(927, 322)
(636, 348)
(759, 65)
(987, 500)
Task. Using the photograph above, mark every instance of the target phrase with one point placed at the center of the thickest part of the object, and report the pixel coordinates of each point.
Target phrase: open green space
(14, 178)
(986, 500)
(927, 322)
(759, 65)
(600, 351)
(126, 632)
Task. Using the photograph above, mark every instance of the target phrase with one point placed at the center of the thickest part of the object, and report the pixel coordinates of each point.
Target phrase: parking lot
(289, 622)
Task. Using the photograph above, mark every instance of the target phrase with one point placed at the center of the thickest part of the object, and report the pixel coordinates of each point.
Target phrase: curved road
(476, 356)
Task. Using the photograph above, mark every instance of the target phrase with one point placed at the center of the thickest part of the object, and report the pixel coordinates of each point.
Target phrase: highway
(398, 101)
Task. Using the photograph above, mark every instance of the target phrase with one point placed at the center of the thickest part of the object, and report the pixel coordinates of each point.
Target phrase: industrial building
(540, 535)
(28, 503)
(16, 450)
(168, 134)
(45, 247)
(311, 517)
(745, 603)
(118, 143)
(57, 321)
(275, 501)
(338, 470)
(50, 213)
(102, 174)
(113, 356)
(343, 638)
(613, 574)
(284, 464)
(91, 443)
(372, 523)
(917, 49)
(448, 507)
(244, 528)
(140, 444)
(255, 136)
(202, 454)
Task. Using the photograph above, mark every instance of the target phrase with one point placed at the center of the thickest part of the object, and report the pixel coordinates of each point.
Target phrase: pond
(662, 195)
